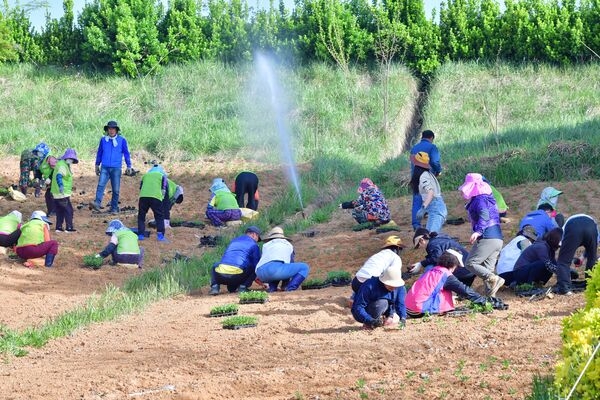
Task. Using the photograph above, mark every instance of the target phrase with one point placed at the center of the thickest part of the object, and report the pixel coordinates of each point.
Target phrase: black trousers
(64, 213)
(9, 240)
(578, 231)
(246, 183)
(157, 207)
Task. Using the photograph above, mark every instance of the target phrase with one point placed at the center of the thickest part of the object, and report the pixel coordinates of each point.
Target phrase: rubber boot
(160, 236)
(294, 282)
(214, 290)
(273, 287)
(242, 289)
(49, 260)
(141, 237)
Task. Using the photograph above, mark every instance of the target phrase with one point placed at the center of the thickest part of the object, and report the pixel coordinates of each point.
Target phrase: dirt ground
(306, 344)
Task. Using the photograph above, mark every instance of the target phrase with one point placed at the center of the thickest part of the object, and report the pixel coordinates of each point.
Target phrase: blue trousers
(114, 175)
(416, 206)
(280, 271)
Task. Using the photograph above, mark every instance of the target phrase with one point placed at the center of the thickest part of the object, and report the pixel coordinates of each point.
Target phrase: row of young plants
(137, 37)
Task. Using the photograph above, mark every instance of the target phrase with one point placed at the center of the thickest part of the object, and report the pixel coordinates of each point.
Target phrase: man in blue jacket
(380, 300)
(109, 161)
(426, 145)
(238, 264)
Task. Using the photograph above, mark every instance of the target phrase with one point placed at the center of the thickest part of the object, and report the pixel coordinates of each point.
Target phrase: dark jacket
(540, 220)
(372, 290)
(438, 245)
(538, 251)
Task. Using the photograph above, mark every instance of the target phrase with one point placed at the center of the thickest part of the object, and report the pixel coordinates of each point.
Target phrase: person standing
(579, 230)
(277, 263)
(487, 234)
(112, 149)
(35, 240)
(62, 188)
(425, 145)
(153, 195)
(424, 183)
(237, 266)
(246, 183)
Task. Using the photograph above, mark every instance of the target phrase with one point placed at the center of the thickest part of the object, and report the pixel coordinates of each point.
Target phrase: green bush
(581, 334)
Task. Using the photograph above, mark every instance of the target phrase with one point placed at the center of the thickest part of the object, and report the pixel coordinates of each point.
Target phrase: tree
(59, 40)
(181, 31)
(227, 30)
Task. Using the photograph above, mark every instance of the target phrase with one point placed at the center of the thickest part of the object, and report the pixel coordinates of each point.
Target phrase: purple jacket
(484, 216)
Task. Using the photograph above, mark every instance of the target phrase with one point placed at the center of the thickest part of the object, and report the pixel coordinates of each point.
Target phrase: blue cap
(254, 229)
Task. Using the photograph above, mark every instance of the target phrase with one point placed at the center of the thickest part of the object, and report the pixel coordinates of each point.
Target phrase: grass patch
(543, 389)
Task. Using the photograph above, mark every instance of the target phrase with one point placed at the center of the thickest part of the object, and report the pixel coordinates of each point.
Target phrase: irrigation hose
(583, 371)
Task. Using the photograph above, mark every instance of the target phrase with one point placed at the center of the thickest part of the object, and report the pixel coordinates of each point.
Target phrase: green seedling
(224, 309)
(360, 383)
(92, 261)
(239, 320)
(338, 275)
(523, 287)
(254, 295)
(481, 308)
(313, 282)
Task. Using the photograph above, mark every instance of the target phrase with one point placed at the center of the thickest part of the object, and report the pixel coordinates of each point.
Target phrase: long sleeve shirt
(373, 290)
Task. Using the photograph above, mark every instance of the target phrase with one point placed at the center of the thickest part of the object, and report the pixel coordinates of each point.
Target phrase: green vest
(45, 168)
(9, 223)
(225, 200)
(152, 185)
(32, 232)
(127, 242)
(172, 188)
(62, 168)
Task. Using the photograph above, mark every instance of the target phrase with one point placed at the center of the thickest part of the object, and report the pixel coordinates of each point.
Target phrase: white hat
(458, 255)
(40, 215)
(392, 276)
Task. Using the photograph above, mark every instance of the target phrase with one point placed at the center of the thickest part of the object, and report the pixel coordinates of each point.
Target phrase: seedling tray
(321, 286)
(253, 301)
(338, 282)
(236, 327)
(225, 314)
(460, 311)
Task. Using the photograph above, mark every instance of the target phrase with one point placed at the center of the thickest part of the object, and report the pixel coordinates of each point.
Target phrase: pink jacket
(427, 294)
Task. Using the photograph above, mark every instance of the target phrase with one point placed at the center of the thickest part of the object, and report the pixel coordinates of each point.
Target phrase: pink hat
(474, 186)
(364, 184)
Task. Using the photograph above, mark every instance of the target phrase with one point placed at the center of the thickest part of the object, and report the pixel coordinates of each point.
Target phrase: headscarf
(115, 225)
(474, 186)
(218, 184)
(18, 215)
(158, 168)
(364, 185)
(549, 196)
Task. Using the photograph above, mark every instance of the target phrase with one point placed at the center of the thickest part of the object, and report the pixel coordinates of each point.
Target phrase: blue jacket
(111, 156)
(434, 155)
(242, 252)
(540, 220)
(372, 290)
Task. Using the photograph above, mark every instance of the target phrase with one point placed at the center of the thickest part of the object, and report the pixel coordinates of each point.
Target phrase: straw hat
(422, 160)
(275, 233)
(393, 241)
(392, 276)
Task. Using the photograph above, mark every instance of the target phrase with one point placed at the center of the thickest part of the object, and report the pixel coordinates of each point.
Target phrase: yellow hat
(393, 241)
(422, 160)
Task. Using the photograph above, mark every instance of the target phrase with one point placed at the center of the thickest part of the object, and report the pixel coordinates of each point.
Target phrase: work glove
(129, 172)
(48, 181)
(421, 213)
(98, 256)
(376, 323)
(416, 267)
(392, 320)
(97, 170)
(347, 204)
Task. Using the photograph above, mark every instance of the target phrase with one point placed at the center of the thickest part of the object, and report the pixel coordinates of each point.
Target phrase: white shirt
(378, 263)
(510, 253)
(276, 250)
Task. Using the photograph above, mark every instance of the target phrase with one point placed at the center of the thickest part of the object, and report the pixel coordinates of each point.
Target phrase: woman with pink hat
(487, 235)
(62, 188)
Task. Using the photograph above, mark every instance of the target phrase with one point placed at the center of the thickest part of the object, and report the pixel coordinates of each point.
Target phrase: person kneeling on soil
(9, 228)
(175, 195)
(222, 206)
(511, 252)
(237, 266)
(153, 195)
(277, 263)
(389, 256)
(35, 241)
(123, 245)
(432, 292)
(435, 245)
(537, 262)
(370, 206)
(380, 300)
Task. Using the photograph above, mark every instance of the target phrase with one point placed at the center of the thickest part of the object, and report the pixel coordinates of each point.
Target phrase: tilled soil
(306, 344)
